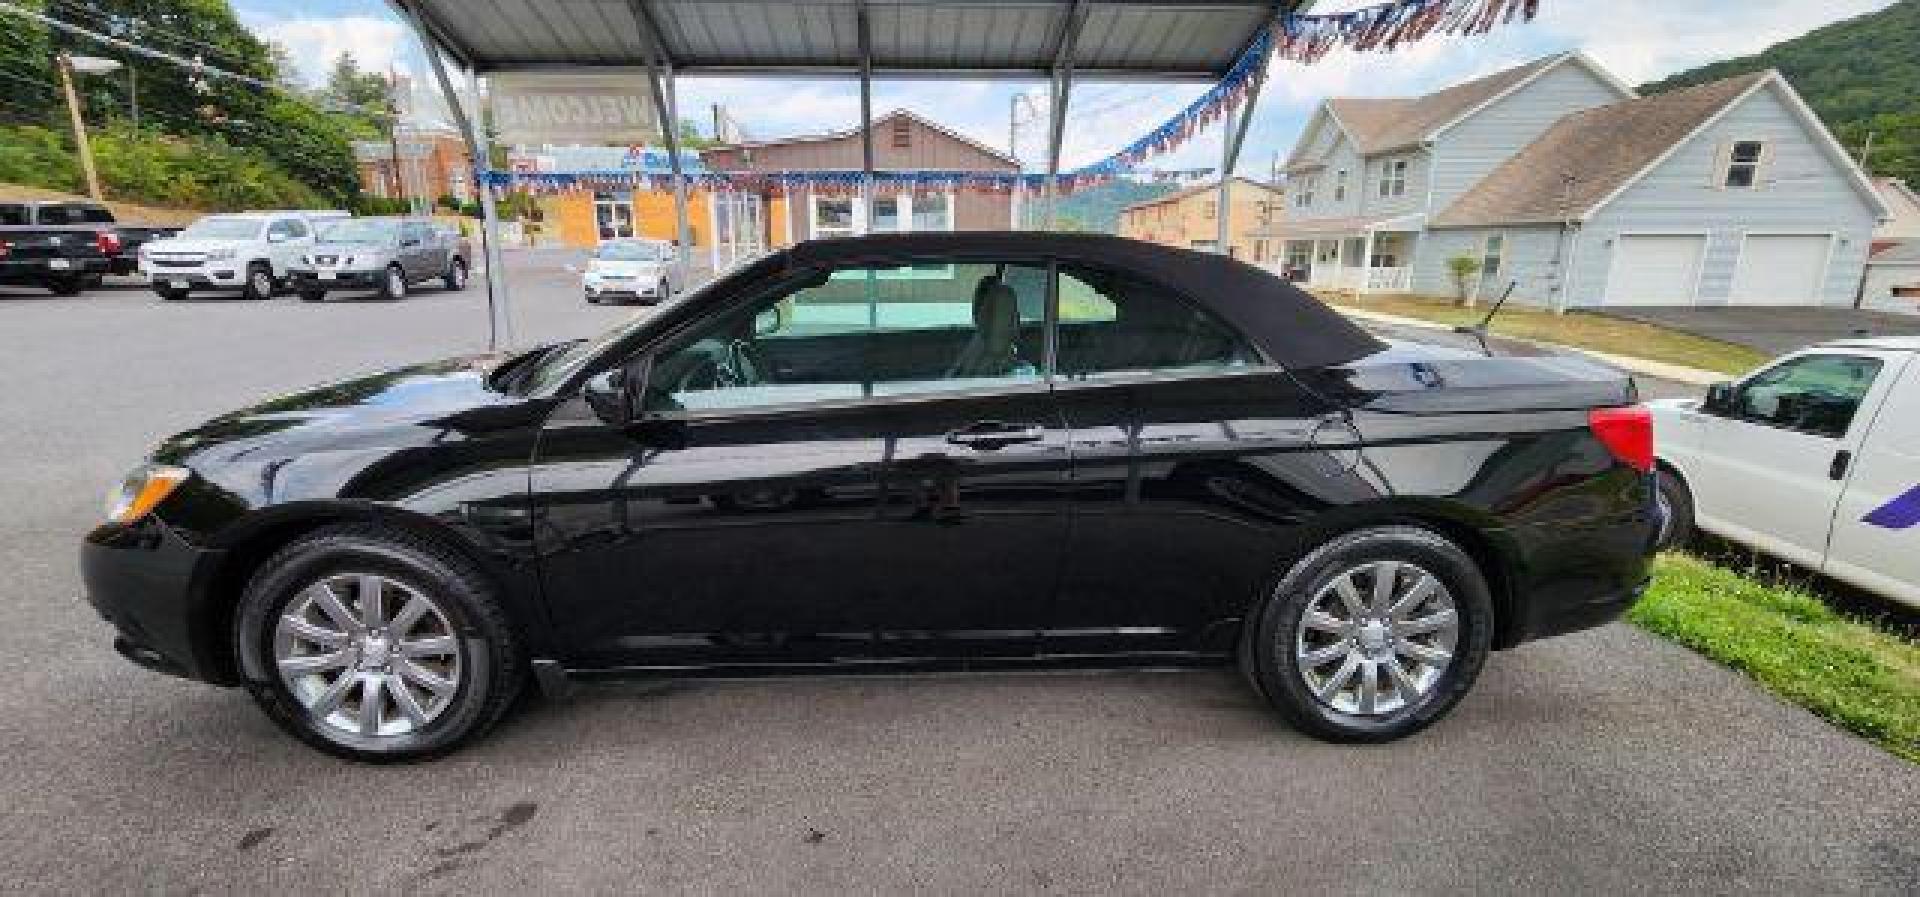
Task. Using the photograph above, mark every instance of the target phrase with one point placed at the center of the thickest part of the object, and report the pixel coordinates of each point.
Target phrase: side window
(1816, 394)
(1112, 325)
(864, 333)
(280, 230)
(295, 228)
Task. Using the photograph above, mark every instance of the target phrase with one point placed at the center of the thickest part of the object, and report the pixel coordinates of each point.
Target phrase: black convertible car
(952, 451)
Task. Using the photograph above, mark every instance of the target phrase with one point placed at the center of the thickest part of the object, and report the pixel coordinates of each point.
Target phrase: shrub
(1463, 268)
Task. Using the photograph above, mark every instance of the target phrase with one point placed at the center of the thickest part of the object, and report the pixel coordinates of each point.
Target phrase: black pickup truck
(64, 246)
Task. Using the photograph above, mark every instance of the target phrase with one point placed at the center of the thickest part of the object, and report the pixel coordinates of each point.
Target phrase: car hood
(421, 404)
(179, 245)
(325, 248)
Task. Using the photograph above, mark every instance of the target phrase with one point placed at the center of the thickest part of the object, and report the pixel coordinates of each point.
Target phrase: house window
(1743, 164)
(902, 133)
(1393, 178)
(933, 211)
(1493, 257)
(1299, 255)
(1340, 186)
(836, 216)
(1210, 210)
(1303, 194)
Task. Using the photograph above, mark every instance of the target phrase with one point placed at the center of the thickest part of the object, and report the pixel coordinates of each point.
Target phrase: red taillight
(109, 242)
(1627, 433)
(5, 248)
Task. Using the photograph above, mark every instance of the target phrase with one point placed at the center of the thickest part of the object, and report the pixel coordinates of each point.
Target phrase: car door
(416, 247)
(1874, 529)
(1765, 469)
(1195, 462)
(863, 469)
(287, 240)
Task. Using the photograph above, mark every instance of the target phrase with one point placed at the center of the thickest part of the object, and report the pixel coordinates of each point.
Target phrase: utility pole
(1866, 152)
(65, 64)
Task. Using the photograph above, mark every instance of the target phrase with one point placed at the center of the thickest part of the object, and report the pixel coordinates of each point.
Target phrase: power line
(198, 67)
(144, 28)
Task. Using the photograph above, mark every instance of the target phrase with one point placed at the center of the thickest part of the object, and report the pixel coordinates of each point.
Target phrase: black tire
(456, 277)
(492, 670)
(260, 284)
(169, 294)
(309, 295)
(1676, 499)
(1268, 644)
(592, 299)
(393, 283)
(66, 286)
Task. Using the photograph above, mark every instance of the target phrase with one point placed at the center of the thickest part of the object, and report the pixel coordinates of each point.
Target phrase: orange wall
(569, 217)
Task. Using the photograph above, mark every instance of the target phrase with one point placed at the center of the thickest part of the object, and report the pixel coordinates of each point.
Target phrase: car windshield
(223, 229)
(631, 252)
(361, 230)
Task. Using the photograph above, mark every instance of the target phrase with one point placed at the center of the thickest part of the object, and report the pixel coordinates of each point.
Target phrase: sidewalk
(1642, 366)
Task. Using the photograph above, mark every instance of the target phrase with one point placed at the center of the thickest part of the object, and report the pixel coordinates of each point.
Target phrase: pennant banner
(1304, 39)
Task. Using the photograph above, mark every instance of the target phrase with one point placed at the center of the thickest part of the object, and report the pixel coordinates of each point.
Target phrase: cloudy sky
(1638, 39)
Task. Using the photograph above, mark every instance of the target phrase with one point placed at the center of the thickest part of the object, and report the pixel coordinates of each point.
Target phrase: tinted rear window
(75, 214)
(13, 215)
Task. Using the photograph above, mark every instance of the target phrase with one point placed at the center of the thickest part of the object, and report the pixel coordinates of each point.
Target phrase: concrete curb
(1660, 369)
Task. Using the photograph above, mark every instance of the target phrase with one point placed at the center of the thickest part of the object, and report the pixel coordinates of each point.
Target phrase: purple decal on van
(1901, 513)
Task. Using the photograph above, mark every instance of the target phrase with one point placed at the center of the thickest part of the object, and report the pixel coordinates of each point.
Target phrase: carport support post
(670, 127)
(1230, 158)
(499, 320)
(1060, 93)
(866, 117)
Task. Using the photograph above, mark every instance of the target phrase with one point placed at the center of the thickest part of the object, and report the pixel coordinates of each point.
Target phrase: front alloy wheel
(377, 644)
(367, 655)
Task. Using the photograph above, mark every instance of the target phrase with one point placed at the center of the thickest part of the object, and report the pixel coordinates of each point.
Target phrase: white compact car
(629, 271)
(250, 253)
(1814, 458)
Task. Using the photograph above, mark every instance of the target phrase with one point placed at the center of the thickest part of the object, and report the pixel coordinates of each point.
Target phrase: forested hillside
(1862, 76)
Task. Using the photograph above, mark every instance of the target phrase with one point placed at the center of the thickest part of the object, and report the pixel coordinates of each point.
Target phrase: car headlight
(142, 490)
(220, 255)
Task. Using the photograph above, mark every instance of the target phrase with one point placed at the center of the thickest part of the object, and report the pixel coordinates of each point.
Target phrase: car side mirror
(1719, 400)
(614, 398)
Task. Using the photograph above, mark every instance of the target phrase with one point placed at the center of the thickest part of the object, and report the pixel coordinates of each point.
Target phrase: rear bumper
(152, 586)
(40, 271)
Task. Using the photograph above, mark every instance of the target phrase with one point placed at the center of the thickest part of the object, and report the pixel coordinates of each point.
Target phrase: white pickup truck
(250, 253)
(1814, 458)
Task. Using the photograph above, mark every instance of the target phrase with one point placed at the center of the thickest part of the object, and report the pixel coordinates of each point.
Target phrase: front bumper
(624, 291)
(154, 587)
(335, 280)
(209, 278)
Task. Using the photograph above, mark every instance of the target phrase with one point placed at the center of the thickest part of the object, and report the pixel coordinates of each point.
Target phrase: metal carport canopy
(1149, 39)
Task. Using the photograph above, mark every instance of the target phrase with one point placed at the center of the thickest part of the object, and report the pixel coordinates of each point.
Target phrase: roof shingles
(1600, 149)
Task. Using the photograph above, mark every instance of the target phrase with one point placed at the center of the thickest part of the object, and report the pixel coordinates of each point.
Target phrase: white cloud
(315, 43)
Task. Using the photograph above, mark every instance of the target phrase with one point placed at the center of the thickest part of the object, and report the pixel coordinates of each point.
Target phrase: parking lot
(1604, 761)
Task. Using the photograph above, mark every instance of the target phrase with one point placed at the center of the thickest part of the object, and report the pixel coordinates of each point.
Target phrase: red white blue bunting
(1304, 39)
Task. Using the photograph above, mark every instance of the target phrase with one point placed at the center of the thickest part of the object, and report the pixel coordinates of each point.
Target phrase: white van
(1814, 458)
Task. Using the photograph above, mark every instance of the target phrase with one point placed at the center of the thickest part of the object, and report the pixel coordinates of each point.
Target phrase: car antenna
(1479, 331)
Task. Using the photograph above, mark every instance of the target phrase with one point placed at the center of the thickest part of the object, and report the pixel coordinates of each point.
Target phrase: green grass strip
(1856, 676)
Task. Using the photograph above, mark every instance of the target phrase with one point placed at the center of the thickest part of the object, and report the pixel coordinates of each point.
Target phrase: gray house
(1569, 187)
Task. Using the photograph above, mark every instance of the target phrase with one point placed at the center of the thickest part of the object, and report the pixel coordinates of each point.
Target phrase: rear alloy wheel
(66, 286)
(393, 283)
(1373, 636)
(373, 644)
(259, 282)
(456, 276)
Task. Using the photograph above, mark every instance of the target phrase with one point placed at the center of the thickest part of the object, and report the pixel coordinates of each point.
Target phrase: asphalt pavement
(1608, 761)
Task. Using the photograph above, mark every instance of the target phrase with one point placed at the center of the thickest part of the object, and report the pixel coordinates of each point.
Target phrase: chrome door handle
(990, 435)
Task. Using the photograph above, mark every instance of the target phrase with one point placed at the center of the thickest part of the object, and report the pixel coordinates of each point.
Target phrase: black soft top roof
(1294, 329)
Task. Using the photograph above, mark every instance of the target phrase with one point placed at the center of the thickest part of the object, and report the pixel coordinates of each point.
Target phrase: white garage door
(1781, 269)
(1655, 269)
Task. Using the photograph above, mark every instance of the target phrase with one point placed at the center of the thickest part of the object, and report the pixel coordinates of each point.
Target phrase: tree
(1463, 268)
(367, 93)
